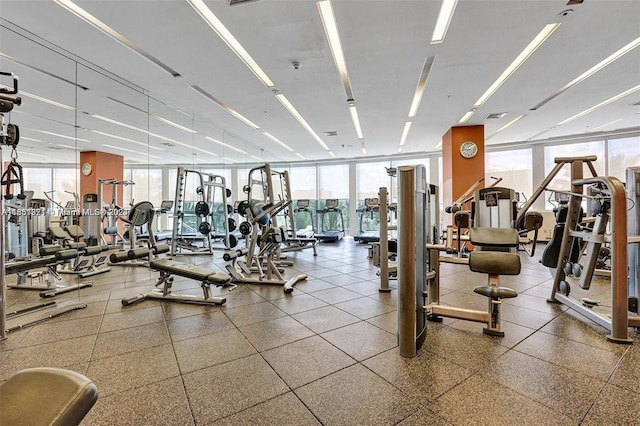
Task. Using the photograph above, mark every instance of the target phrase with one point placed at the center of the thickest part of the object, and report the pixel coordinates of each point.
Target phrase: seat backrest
(46, 396)
(494, 237)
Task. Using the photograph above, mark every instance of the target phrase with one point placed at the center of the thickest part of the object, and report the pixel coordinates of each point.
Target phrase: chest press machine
(418, 266)
(144, 213)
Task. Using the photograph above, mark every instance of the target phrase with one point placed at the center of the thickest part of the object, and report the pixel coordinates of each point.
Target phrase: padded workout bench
(167, 268)
(46, 396)
(489, 257)
(51, 257)
(89, 260)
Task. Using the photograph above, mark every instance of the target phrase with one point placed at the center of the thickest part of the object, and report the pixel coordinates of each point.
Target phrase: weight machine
(111, 212)
(195, 229)
(612, 201)
(271, 187)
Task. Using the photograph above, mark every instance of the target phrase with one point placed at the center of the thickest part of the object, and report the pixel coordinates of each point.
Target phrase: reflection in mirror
(46, 154)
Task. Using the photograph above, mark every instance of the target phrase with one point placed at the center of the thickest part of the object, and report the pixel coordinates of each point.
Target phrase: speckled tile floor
(327, 353)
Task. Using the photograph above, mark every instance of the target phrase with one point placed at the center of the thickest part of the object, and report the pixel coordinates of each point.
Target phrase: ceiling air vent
(495, 115)
(331, 133)
(234, 2)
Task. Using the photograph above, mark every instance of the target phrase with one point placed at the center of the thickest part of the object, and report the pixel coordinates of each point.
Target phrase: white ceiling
(385, 45)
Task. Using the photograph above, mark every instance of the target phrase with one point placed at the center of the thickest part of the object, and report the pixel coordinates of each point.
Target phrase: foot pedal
(589, 303)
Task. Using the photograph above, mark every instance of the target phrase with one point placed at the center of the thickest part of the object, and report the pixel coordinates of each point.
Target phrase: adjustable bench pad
(194, 272)
(494, 237)
(496, 263)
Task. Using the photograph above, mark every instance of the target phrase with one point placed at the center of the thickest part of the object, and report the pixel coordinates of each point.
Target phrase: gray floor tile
(570, 354)
(284, 410)
(54, 354)
(424, 417)
(425, 376)
(220, 391)
(306, 360)
(474, 402)
(361, 340)
(387, 322)
(465, 349)
(130, 339)
(513, 333)
(356, 396)
(325, 319)
(364, 308)
(273, 333)
(63, 330)
(198, 325)
(251, 314)
(336, 295)
(160, 403)
(131, 318)
(565, 391)
(614, 406)
(627, 375)
(211, 349)
(133, 369)
(298, 302)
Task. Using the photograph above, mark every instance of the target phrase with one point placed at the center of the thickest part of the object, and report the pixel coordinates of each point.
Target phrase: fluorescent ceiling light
(257, 158)
(542, 36)
(364, 150)
(301, 156)
(48, 101)
(333, 37)
(356, 120)
(60, 136)
(606, 124)
(126, 139)
(439, 145)
(231, 160)
(50, 74)
(24, 138)
(64, 146)
(171, 123)
(34, 155)
(224, 144)
(466, 117)
(405, 132)
(332, 154)
(226, 107)
(278, 141)
(588, 73)
(98, 24)
(518, 118)
(601, 104)
(447, 8)
(226, 36)
(511, 122)
(284, 101)
(422, 81)
(129, 150)
(137, 129)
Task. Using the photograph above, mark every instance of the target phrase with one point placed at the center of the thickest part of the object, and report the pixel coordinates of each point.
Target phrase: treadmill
(372, 209)
(331, 226)
(302, 208)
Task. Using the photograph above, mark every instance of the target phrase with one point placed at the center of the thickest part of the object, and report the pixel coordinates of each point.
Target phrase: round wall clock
(468, 149)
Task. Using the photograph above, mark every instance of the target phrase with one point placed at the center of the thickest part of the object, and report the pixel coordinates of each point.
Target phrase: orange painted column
(461, 168)
(96, 165)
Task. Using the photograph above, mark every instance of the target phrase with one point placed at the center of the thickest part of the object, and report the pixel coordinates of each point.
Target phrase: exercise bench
(167, 269)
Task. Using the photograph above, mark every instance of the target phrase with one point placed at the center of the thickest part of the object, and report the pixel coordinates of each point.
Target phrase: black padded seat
(49, 250)
(58, 233)
(494, 263)
(194, 272)
(75, 231)
(494, 237)
(26, 265)
(494, 292)
(46, 396)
